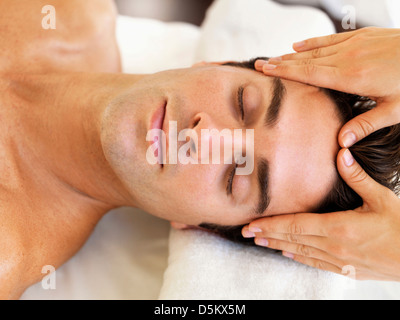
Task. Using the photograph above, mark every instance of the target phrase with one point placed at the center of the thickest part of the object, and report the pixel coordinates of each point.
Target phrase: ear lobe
(180, 226)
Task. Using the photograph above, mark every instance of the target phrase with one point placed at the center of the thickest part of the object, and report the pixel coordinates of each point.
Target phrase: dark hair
(378, 154)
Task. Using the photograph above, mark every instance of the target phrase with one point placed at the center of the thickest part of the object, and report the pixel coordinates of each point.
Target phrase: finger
(357, 179)
(322, 61)
(311, 54)
(266, 65)
(384, 115)
(298, 249)
(334, 39)
(314, 263)
(296, 224)
(311, 241)
(325, 41)
(320, 76)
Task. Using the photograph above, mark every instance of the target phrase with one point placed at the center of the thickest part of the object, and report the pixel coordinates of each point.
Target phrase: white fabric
(124, 258)
(244, 29)
(379, 13)
(205, 266)
(149, 46)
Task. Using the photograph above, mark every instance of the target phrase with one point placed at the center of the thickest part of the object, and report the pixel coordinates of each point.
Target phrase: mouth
(158, 123)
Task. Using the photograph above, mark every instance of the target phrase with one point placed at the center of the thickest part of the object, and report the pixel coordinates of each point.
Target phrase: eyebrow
(263, 182)
(278, 95)
(271, 119)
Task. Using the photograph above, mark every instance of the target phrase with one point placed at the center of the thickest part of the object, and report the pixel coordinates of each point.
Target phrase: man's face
(294, 156)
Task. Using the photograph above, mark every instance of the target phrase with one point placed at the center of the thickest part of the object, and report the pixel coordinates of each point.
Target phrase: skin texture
(73, 147)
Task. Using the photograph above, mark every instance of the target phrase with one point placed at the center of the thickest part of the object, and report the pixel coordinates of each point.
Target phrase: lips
(157, 119)
(157, 122)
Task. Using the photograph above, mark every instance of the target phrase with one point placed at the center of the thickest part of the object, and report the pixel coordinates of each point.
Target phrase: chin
(123, 142)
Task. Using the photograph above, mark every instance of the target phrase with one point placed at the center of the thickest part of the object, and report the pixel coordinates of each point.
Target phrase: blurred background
(192, 11)
(382, 13)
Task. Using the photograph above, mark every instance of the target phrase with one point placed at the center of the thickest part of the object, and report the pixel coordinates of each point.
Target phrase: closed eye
(230, 181)
(240, 101)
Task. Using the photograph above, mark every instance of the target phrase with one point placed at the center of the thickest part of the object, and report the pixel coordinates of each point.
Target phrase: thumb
(384, 115)
(357, 179)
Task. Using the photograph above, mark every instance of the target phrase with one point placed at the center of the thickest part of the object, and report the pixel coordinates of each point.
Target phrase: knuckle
(316, 53)
(306, 62)
(295, 228)
(366, 127)
(318, 264)
(304, 250)
(291, 238)
(358, 175)
(309, 69)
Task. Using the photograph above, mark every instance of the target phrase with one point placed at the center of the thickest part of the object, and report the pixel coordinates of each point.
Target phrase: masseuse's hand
(365, 62)
(367, 239)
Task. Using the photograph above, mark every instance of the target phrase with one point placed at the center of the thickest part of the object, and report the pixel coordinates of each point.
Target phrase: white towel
(205, 266)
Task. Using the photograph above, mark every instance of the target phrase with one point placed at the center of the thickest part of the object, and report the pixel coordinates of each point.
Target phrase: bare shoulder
(78, 40)
(13, 257)
(32, 237)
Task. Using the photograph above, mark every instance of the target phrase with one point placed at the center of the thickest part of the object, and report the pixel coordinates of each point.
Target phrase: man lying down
(75, 143)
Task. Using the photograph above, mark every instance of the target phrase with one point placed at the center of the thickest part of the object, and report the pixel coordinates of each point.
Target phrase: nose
(215, 143)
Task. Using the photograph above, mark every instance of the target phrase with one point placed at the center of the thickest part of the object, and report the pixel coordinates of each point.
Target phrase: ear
(209, 64)
(180, 226)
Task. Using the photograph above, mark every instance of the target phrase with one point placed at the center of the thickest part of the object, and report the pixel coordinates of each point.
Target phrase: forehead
(304, 150)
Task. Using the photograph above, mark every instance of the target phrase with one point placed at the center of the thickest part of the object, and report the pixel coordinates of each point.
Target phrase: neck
(60, 117)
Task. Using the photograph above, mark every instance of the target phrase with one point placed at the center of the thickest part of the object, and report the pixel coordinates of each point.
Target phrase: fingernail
(269, 66)
(299, 45)
(248, 234)
(254, 229)
(288, 255)
(349, 139)
(348, 158)
(260, 63)
(261, 242)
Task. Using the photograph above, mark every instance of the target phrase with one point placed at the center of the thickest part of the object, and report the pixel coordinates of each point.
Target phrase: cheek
(196, 192)
(243, 191)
